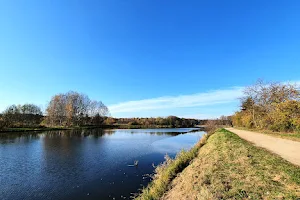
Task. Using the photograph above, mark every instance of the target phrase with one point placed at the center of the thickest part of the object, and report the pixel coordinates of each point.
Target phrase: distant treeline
(273, 106)
(17, 119)
(73, 109)
(27, 115)
(171, 121)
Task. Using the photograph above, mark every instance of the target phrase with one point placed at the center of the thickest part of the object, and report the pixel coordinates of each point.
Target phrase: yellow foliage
(242, 119)
(286, 116)
(272, 106)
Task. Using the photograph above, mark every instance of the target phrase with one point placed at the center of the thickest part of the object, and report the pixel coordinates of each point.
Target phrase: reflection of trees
(69, 153)
(162, 133)
(27, 136)
(78, 133)
(96, 133)
(172, 133)
(170, 121)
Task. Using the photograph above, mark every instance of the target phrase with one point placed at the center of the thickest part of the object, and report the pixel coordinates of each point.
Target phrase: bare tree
(266, 105)
(73, 108)
(22, 115)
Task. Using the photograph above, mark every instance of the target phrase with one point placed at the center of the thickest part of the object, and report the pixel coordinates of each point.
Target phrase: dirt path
(287, 149)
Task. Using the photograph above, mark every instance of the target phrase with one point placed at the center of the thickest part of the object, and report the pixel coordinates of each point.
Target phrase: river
(85, 164)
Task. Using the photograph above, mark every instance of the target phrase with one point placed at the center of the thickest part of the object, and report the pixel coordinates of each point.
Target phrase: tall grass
(168, 170)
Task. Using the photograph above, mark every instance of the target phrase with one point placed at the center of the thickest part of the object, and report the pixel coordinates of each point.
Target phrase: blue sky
(146, 57)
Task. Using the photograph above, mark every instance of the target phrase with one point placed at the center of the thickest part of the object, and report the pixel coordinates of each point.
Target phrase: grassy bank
(227, 167)
(286, 135)
(167, 171)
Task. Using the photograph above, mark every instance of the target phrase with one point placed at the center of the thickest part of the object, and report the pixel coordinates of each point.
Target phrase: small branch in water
(135, 164)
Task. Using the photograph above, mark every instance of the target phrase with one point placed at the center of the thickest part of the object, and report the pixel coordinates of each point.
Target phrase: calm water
(85, 164)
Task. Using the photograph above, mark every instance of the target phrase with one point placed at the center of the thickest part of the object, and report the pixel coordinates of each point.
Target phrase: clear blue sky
(185, 58)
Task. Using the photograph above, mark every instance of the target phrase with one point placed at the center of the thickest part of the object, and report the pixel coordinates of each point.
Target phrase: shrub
(286, 116)
(272, 106)
(2, 124)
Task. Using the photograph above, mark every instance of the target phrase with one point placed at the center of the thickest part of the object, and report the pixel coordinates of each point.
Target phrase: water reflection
(18, 137)
(81, 164)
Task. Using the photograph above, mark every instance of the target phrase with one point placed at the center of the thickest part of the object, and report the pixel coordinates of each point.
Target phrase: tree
(286, 116)
(56, 113)
(74, 109)
(30, 109)
(2, 123)
(269, 106)
(22, 115)
(109, 121)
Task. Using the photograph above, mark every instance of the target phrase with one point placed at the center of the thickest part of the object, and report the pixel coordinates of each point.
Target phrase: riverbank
(117, 126)
(38, 129)
(227, 167)
(167, 171)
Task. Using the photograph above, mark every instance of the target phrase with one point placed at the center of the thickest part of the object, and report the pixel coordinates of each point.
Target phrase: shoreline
(166, 172)
(39, 129)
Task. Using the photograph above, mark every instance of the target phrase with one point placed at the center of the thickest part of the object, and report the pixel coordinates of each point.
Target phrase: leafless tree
(73, 108)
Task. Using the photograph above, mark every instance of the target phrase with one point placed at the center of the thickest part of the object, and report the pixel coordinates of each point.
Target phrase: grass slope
(228, 167)
(168, 170)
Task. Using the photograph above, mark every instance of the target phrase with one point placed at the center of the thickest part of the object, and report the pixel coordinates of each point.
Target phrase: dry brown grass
(228, 167)
(168, 170)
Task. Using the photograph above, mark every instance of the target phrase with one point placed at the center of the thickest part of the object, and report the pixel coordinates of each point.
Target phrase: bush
(271, 106)
(133, 123)
(211, 125)
(2, 124)
(286, 116)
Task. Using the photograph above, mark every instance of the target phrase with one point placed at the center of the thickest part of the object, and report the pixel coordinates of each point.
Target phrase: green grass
(255, 171)
(168, 170)
(226, 167)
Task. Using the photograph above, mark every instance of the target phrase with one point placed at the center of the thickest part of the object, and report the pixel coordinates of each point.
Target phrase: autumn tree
(110, 121)
(74, 109)
(2, 122)
(269, 106)
(22, 115)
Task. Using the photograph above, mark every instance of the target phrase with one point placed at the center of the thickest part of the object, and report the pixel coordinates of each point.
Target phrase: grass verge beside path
(290, 136)
(167, 171)
(228, 167)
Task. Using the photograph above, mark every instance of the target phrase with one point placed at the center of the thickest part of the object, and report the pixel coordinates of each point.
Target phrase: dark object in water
(136, 163)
